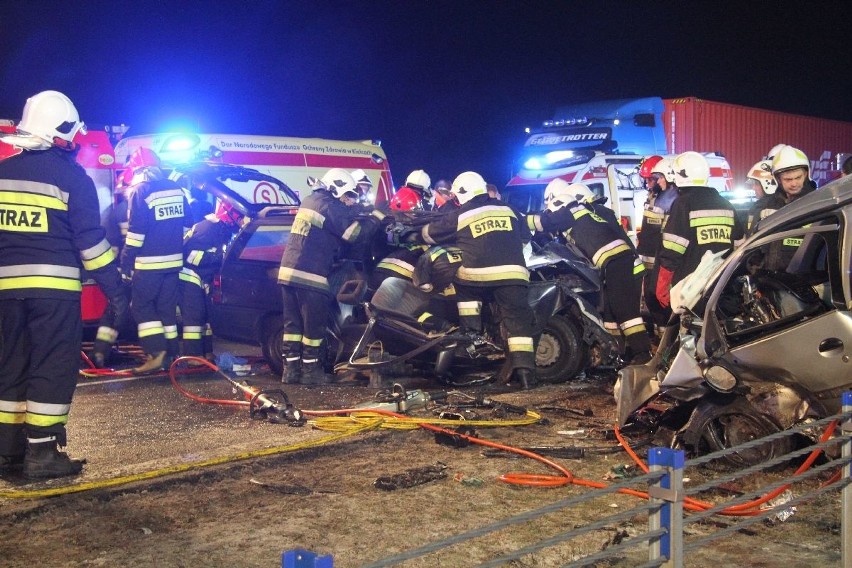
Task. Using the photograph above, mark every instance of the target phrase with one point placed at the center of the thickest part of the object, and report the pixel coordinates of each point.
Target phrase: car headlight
(720, 378)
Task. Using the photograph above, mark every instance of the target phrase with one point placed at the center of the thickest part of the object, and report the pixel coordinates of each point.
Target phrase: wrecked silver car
(755, 348)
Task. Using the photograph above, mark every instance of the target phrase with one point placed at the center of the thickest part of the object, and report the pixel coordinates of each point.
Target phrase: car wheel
(273, 347)
(561, 352)
(726, 426)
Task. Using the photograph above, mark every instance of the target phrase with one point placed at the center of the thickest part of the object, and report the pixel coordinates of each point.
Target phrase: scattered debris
(457, 440)
(412, 477)
(282, 488)
(621, 472)
(783, 513)
(469, 481)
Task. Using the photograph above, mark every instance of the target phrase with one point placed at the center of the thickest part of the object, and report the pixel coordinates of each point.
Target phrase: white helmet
(691, 169)
(552, 188)
(52, 117)
(774, 151)
(664, 168)
(339, 182)
(789, 158)
(361, 177)
(418, 179)
(467, 186)
(761, 172)
(564, 194)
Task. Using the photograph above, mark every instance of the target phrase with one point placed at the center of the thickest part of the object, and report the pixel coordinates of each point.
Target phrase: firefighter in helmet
(49, 232)
(491, 237)
(574, 212)
(203, 250)
(152, 260)
(700, 220)
(415, 194)
(326, 219)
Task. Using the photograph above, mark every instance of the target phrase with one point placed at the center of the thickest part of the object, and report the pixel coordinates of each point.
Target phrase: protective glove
(120, 307)
(664, 283)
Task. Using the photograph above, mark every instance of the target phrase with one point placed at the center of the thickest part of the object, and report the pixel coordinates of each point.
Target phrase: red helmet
(140, 158)
(647, 165)
(229, 215)
(405, 199)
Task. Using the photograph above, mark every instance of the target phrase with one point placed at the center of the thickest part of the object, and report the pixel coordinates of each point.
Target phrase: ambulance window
(266, 243)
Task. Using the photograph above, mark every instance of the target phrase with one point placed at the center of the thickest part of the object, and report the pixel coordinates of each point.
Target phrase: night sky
(447, 86)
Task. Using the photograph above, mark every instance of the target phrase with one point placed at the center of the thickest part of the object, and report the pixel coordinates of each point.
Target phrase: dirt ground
(326, 499)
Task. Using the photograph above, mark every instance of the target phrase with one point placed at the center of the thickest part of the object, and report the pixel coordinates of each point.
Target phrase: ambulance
(290, 160)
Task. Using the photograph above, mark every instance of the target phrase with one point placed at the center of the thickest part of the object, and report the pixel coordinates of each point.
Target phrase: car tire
(561, 352)
(272, 345)
(723, 426)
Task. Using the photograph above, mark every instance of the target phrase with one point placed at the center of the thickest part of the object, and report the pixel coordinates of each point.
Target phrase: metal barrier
(664, 538)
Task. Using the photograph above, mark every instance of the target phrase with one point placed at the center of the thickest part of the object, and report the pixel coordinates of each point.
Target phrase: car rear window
(266, 243)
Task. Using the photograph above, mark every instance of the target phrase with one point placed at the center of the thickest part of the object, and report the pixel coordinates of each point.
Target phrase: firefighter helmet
(229, 215)
(339, 182)
(418, 179)
(761, 172)
(789, 158)
(550, 190)
(664, 168)
(361, 177)
(140, 158)
(647, 165)
(52, 117)
(467, 186)
(405, 199)
(563, 195)
(691, 169)
(774, 151)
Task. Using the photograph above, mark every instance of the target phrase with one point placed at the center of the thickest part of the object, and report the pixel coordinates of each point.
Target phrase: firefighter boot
(314, 374)
(152, 364)
(292, 374)
(526, 377)
(44, 461)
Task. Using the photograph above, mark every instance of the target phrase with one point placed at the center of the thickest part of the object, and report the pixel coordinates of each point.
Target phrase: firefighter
(326, 218)
(791, 172)
(108, 327)
(49, 230)
(573, 212)
(203, 250)
(700, 220)
(661, 195)
(365, 186)
(491, 236)
(152, 260)
(415, 194)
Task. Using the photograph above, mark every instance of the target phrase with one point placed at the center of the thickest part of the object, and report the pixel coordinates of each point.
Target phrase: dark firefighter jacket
(204, 246)
(321, 225)
(158, 213)
(50, 228)
(654, 217)
(491, 236)
(595, 232)
(700, 220)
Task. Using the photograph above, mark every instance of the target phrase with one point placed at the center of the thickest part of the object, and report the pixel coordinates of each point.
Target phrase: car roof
(832, 196)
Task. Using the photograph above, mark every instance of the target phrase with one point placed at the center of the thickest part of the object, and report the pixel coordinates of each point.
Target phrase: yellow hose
(342, 426)
(115, 481)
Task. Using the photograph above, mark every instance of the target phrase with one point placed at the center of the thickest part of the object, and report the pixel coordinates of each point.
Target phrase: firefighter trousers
(194, 303)
(40, 342)
(622, 311)
(659, 315)
(514, 313)
(154, 307)
(305, 319)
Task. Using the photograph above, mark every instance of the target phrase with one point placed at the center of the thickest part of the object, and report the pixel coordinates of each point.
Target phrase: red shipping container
(745, 134)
